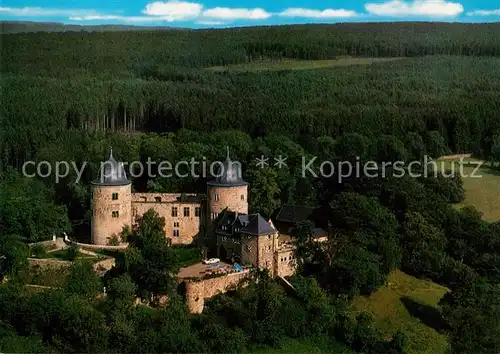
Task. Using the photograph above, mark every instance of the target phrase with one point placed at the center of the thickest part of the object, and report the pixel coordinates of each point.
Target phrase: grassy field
(408, 304)
(288, 64)
(482, 192)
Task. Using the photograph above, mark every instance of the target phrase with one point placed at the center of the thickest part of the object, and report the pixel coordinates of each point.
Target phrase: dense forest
(148, 94)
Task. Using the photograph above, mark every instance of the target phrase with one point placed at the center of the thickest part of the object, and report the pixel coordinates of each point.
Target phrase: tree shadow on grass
(428, 315)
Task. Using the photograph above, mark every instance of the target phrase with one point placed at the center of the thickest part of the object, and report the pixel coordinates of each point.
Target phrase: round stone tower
(227, 190)
(111, 201)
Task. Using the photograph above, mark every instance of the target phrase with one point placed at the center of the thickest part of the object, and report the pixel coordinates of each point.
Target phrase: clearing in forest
(482, 188)
(409, 305)
(290, 64)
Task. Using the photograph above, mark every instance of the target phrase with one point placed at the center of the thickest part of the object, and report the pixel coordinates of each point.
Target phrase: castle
(223, 212)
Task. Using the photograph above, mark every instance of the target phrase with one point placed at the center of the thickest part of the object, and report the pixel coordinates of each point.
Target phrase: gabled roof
(231, 222)
(258, 226)
(294, 214)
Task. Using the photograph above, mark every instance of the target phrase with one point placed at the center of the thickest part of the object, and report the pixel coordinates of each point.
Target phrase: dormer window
(216, 197)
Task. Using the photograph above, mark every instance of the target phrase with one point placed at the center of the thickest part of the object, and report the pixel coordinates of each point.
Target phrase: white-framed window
(115, 214)
(186, 212)
(176, 233)
(174, 211)
(197, 212)
(216, 197)
(176, 224)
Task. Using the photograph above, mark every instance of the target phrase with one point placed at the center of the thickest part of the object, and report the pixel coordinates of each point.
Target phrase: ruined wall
(188, 226)
(222, 197)
(104, 224)
(199, 290)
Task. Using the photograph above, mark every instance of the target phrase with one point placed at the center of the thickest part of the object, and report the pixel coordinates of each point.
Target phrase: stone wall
(48, 262)
(103, 247)
(51, 244)
(100, 267)
(103, 266)
(104, 224)
(188, 226)
(199, 290)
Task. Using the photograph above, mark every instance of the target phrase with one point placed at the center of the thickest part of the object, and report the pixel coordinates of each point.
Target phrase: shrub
(38, 251)
(113, 241)
(73, 251)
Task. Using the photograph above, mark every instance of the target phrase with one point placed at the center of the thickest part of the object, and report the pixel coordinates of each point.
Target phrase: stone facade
(114, 207)
(111, 211)
(284, 262)
(253, 241)
(233, 198)
(182, 217)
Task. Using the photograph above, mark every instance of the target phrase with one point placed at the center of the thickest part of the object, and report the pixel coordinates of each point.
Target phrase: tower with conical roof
(111, 201)
(227, 190)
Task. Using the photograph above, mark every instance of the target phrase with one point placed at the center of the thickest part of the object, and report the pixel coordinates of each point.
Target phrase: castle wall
(188, 226)
(104, 224)
(199, 290)
(222, 197)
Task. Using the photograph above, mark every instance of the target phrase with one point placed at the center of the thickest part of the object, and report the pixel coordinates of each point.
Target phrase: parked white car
(211, 261)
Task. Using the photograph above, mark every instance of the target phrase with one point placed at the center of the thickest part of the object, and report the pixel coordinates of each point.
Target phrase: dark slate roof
(319, 232)
(229, 174)
(231, 222)
(112, 173)
(257, 225)
(294, 214)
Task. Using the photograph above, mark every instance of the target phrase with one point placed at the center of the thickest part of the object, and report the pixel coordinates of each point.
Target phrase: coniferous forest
(70, 96)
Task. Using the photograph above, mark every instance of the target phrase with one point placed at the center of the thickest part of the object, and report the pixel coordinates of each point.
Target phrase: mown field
(288, 64)
(409, 305)
(482, 187)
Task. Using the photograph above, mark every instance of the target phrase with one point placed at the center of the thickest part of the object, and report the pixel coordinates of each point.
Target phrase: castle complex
(240, 237)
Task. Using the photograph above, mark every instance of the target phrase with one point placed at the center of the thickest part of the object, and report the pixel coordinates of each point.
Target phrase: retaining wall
(199, 290)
